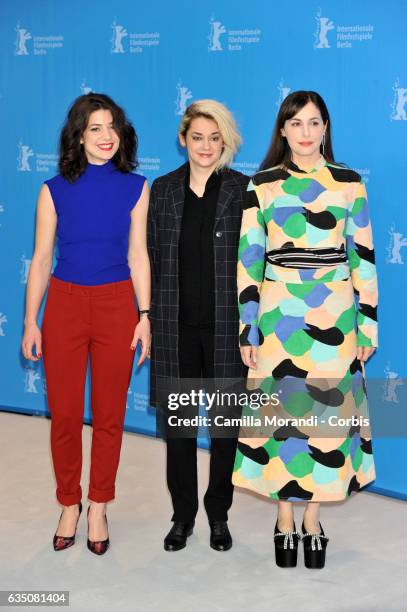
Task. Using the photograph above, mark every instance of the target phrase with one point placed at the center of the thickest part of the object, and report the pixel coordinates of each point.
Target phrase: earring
(323, 144)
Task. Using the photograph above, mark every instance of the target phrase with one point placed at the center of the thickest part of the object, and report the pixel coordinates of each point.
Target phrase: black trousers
(196, 360)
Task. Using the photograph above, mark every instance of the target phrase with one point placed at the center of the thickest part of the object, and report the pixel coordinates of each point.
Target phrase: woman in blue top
(97, 209)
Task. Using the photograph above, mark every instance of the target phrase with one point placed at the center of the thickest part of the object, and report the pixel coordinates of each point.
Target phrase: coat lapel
(177, 192)
(178, 197)
(225, 195)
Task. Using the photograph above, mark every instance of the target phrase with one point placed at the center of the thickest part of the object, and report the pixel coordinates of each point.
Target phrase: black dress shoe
(176, 538)
(61, 542)
(286, 547)
(314, 548)
(220, 535)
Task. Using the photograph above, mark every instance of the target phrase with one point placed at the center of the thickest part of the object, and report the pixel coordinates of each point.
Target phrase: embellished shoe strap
(316, 540)
(288, 538)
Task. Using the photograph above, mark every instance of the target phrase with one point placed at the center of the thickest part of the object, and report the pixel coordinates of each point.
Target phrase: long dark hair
(279, 152)
(72, 157)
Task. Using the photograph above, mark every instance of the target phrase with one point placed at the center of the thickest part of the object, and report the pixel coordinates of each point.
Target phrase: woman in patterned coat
(307, 298)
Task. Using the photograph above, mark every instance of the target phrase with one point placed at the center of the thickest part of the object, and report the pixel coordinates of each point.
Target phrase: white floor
(366, 567)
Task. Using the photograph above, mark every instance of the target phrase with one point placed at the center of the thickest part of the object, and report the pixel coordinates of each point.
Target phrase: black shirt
(196, 264)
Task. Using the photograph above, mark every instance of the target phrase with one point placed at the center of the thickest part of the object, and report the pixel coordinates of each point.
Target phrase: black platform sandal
(314, 548)
(286, 547)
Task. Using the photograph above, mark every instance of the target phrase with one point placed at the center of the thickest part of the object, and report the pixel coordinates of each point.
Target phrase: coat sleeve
(153, 246)
(250, 266)
(361, 257)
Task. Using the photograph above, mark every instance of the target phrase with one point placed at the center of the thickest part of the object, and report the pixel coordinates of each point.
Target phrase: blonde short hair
(211, 109)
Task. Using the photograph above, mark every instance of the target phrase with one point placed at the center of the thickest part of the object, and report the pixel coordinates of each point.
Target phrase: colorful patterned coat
(307, 298)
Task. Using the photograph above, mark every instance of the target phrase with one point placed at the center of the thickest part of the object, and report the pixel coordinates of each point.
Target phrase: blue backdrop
(154, 59)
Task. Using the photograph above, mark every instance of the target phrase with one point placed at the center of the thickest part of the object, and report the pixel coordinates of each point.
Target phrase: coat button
(218, 234)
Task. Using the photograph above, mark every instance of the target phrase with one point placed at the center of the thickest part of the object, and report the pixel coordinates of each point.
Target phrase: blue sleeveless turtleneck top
(93, 223)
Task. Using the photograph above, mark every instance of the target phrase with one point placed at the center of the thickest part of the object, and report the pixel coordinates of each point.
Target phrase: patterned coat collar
(320, 163)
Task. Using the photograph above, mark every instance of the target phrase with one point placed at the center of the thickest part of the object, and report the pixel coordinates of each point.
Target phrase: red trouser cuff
(97, 495)
(69, 499)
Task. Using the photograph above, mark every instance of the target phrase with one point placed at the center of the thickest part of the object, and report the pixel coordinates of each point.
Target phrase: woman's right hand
(32, 337)
(249, 356)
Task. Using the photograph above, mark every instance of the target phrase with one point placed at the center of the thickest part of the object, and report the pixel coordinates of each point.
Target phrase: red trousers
(81, 323)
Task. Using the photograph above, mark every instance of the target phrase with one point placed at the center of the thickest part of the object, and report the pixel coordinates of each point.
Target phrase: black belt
(306, 258)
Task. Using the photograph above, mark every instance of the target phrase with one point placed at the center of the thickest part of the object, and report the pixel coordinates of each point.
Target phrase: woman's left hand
(365, 352)
(142, 334)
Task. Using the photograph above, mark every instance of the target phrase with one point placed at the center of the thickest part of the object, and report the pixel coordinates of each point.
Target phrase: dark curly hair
(72, 157)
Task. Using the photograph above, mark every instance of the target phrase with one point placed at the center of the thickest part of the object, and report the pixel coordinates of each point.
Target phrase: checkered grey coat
(163, 232)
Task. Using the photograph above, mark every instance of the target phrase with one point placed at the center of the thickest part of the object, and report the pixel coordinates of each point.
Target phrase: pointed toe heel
(62, 542)
(314, 548)
(286, 547)
(98, 547)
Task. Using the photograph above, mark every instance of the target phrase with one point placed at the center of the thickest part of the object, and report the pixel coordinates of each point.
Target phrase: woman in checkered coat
(193, 233)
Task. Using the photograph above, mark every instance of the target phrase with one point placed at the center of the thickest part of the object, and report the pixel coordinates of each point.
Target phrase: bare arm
(139, 264)
(39, 271)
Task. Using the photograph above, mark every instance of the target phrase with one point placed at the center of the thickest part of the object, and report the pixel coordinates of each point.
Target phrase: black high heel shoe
(61, 542)
(99, 547)
(314, 548)
(286, 547)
